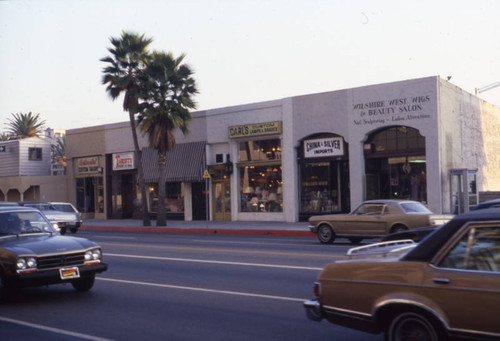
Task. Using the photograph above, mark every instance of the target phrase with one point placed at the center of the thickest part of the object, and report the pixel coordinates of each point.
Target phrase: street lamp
(487, 87)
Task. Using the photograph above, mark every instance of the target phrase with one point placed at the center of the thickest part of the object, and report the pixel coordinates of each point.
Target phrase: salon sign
(123, 161)
(328, 147)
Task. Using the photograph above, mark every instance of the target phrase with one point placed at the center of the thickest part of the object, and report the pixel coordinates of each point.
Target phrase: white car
(64, 220)
(69, 208)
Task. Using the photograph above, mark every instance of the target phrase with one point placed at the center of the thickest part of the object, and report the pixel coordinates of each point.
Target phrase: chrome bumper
(313, 228)
(313, 310)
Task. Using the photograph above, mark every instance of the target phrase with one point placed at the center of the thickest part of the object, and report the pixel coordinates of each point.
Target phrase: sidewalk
(202, 227)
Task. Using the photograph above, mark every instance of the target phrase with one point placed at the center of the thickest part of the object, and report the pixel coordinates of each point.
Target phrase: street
(185, 287)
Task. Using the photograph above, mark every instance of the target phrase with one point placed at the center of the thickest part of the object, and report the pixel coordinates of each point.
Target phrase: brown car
(446, 286)
(374, 219)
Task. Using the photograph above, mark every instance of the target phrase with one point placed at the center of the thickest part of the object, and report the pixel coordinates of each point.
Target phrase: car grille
(61, 260)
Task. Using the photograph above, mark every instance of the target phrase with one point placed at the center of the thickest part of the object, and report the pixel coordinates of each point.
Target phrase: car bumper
(53, 276)
(313, 310)
(313, 229)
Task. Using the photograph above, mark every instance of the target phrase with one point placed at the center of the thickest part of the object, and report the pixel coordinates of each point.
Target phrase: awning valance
(185, 163)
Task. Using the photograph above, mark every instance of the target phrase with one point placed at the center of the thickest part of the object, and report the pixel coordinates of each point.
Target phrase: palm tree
(128, 57)
(5, 137)
(166, 98)
(59, 152)
(25, 125)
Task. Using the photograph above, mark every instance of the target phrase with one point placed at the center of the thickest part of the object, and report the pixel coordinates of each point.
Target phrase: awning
(185, 163)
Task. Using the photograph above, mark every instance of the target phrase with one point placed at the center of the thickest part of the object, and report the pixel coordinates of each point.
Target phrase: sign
(86, 165)
(123, 161)
(206, 175)
(246, 130)
(327, 147)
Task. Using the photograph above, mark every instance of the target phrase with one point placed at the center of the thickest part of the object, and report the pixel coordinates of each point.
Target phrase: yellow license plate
(67, 273)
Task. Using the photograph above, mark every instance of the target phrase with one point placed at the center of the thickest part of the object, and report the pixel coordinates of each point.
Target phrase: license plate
(67, 273)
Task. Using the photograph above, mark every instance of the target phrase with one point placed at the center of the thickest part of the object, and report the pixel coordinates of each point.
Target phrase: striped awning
(185, 163)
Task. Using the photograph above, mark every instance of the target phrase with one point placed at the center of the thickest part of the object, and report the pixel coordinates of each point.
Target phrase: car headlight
(26, 263)
(56, 227)
(94, 254)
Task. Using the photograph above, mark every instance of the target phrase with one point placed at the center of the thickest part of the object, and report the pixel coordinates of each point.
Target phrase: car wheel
(84, 284)
(412, 326)
(398, 228)
(7, 291)
(63, 230)
(326, 234)
(355, 240)
(73, 229)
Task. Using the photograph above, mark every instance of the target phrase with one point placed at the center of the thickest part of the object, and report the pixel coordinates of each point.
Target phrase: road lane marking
(191, 248)
(226, 292)
(214, 262)
(53, 330)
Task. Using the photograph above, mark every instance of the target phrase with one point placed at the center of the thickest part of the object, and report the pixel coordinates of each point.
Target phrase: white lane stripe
(226, 292)
(53, 330)
(214, 262)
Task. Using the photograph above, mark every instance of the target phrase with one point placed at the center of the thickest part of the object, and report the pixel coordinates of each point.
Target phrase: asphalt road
(184, 287)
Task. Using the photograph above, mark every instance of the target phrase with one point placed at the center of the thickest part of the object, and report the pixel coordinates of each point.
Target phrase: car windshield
(64, 208)
(43, 207)
(414, 207)
(23, 222)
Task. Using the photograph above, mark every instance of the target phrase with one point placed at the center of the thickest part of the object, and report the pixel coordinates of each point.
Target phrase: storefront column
(356, 173)
(289, 165)
(188, 202)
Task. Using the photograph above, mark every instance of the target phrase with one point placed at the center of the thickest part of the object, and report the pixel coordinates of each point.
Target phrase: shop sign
(329, 147)
(247, 130)
(87, 165)
(123, 161)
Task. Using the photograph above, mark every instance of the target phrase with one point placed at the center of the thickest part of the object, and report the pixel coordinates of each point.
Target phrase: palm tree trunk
(161, 220)
(146, 219)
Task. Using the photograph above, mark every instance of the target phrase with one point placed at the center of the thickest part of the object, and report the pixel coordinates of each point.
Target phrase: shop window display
(174, 200)
(261, 184)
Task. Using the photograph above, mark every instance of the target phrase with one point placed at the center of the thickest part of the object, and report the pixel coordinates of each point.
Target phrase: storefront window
(174, 200)
(261, 182)
(319, 191)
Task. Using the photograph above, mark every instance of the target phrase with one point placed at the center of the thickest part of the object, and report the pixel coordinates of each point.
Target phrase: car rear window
(414, 207)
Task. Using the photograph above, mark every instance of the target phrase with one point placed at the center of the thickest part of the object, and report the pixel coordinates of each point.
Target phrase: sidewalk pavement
(299, 229)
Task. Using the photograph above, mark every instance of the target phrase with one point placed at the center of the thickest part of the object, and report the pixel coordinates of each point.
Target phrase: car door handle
(441, 280)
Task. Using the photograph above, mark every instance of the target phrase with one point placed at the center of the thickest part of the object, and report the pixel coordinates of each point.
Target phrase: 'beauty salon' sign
(328, 147)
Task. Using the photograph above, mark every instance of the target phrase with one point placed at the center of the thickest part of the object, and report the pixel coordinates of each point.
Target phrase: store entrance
(221, 200)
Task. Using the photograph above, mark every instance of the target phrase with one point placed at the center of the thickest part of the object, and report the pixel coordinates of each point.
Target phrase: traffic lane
(252, 278)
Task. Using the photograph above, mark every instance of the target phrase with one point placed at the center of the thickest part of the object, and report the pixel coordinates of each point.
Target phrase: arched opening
(395, 164)
(324, 175)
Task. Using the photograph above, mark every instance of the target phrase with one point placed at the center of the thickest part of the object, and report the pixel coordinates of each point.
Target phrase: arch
(395, 164)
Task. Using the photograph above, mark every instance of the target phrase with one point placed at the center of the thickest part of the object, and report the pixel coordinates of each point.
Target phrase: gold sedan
(374, 219)
(446, 286)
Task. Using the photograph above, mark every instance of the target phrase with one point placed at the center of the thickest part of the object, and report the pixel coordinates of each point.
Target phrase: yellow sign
(244, 130)
(206, 175)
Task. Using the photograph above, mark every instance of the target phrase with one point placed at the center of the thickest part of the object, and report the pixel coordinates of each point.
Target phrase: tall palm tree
(25, 125)
(128, 57)
(166, 100)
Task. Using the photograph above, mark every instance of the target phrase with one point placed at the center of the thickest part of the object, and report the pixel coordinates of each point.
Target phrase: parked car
(448, 285)
(8, 203)
(33, 253)
(69, 208)
(373, 219)
(487, 204)
(63, 220)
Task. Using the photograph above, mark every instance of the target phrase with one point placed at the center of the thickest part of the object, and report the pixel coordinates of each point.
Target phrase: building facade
(285, 160)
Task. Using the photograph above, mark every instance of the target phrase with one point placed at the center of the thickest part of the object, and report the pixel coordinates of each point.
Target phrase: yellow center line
(206, 249)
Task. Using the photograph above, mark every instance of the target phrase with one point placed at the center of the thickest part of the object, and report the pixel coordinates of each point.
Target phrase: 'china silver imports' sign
(329, 147)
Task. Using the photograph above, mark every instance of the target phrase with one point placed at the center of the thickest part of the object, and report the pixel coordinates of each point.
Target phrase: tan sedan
(446, 286)
(373, 219)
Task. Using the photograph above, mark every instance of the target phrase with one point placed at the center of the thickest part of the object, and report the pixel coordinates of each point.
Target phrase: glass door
(222, 200)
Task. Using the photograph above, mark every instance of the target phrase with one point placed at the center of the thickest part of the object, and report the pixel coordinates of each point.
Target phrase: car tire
(326, 234)
(63, 230)
(355, 240)
(7, 291)
(398, 228)
(84, 284)
(73, 229)
(412, 326)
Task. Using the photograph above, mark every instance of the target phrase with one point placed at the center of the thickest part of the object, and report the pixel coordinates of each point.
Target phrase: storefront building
(285, 160)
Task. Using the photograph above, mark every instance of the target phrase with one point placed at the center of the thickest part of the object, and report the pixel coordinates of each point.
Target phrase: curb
(201, 231)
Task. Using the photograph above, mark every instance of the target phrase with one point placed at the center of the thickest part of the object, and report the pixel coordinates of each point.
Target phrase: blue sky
(241, 51)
